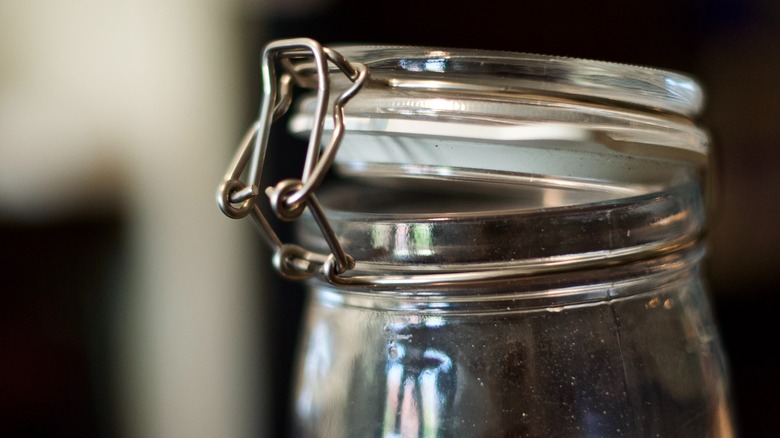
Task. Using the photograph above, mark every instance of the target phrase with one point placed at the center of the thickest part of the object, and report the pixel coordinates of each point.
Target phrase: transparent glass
(624, 350)
(533, 228)
(644, 362)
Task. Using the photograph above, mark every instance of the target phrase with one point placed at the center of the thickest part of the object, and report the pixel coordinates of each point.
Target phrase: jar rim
(410, 67)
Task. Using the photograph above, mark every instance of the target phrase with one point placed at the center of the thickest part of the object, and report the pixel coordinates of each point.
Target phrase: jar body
(629, 351)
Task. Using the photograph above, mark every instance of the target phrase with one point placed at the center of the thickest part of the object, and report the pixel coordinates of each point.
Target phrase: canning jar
(513, 247)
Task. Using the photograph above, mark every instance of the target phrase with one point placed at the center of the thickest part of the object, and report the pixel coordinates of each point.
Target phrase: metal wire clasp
(290, 197)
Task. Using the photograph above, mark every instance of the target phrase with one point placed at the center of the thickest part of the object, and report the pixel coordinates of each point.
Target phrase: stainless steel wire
(238, 199)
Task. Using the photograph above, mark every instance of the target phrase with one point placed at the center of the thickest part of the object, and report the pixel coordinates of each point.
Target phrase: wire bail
(290, 197)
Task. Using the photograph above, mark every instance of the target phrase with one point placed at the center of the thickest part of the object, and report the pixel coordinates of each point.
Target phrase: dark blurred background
(117, 316)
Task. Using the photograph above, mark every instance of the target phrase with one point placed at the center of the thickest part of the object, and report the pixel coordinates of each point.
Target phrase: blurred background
(129, 306)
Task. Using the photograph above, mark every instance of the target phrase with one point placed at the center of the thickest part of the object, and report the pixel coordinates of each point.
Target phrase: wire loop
(289, 198)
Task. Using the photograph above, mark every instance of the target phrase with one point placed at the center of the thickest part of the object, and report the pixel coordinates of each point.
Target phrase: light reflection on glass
(675, 83)
(414, 239)
(434, 321)
(679, 217)
(430, 403)
(410, 416)
(415, 402)
(380, 237)
(402, 245)
(438, 54)
(395, 373)
(315, 368)
(438, 65)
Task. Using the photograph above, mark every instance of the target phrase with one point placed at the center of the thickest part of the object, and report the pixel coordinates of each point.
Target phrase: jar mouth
(397, 231)
(508, 73)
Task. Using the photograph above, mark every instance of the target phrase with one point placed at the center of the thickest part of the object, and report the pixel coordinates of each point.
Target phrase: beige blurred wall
(133, 106)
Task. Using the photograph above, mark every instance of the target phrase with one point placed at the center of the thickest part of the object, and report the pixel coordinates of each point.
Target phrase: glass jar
(524, 240)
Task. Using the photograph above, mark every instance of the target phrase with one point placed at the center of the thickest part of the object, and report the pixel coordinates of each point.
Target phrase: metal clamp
(290, 197)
